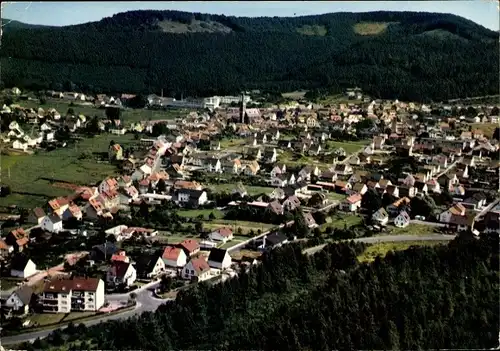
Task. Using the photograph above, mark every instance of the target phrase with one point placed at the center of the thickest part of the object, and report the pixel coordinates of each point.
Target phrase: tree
(113, 113)
(211, 216)
(111, 238)
(161, 187)
(371, 201)
(138, 101)
(71, 112)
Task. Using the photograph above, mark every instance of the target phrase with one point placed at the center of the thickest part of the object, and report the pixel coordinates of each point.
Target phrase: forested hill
(406, 55)
(443, 297)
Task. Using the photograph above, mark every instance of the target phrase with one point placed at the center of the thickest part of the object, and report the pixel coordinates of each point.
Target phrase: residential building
(174, 257)
(72, 295)
(196, 269)
(191, 247)
(191, 197)
(149, 266)
(221, 234)
(121, 274)
(22, 266)
(52, 223)
(351, 204)
(219, 259)
(19, 301)
(402, 220)
(381, 216)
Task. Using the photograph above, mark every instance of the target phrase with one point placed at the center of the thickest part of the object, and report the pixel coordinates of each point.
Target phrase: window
(192, 271)
(64, 302)
(91, 294)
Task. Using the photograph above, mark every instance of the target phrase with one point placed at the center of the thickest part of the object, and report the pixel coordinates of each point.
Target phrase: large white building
(73, 295)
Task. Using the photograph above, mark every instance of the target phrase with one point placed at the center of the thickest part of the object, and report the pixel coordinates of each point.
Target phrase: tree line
(411, 60)
(444, 296)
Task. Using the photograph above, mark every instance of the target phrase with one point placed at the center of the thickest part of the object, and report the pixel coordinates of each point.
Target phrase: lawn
(412, 229)
(127, 115)
(382, 249)
(252, 190)
(7, 284)
(338, 221)
(293, 159)
(487, 128)
(333, 196)
(246, 227)
(232, 143)
(60, 164)
(204, 212)
(170, 238)
(349, 147)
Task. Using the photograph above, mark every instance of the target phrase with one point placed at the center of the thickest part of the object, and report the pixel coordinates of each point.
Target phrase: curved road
(145, 302)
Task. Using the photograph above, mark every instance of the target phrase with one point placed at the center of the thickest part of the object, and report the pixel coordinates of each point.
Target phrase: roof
(354, 198)
(217, 255)
(171, 253)
(85, 284)
(146, 263)
(224, 231)
(276, 238)
(19, 262)
(119, 268)
(66, 285)
(200, 265)
(54, 218)
(25, 293)
(39, 212)
(3, 245)
(190, 245)
(18, 233)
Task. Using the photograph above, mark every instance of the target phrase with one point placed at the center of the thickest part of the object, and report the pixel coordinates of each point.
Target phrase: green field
(128, 115)
(205, 213)
(338, 221)
(246, 227)
(413, 229)
(349, 147)
(61, 164)
(252, 190)
(383, 248)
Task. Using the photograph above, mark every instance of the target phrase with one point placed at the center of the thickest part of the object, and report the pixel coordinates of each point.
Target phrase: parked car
(420, 218)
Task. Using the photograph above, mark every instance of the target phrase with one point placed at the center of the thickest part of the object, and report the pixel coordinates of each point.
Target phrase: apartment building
(73, 295)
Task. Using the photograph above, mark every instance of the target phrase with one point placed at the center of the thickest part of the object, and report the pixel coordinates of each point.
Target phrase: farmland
(382, 249)
(23, 173)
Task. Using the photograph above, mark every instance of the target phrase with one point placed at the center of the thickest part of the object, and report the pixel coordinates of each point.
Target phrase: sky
(484, 12)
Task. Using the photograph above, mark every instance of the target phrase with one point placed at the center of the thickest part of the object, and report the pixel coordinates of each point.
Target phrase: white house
(174, 257)
(22, 266)
(191, 196)
(121, 273)
(52, 223)
(402, 220)
(219, 259)
(381, 216)
(457, 210)
(197, 269)
(19, 300)
(351, 204)
(221, 234)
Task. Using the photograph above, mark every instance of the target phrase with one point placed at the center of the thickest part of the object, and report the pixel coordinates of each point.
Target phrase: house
(447, 180)
(214, 165)
(149, 266)
(121, 274)
(52, 223)
(221, 234)
(103, 252)
(5, 249)
(402, 220)
(191, 197)
(462, 223)
(191, 247)
(351, 204)
(492, 220)
(476, 202)
(108, 185)
(36, 216)
(399, 205)
(240, 190)
(77, 294)
(215, 145)
(456, 210)
(19, 301)
(343, 169)
(18, 239)
(219, 258)
(59, 205)
(196, 269)
(273, 240)
(22, 266)
(392, 190)
(174, 257)
(279, 180)
(381, 216)
(291, 203)
(359, 188)
(73, 211)
(120, 256)
(309, 220)
(278, 169)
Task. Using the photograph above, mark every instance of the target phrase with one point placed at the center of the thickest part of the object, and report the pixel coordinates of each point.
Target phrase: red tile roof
(226, 232)
(171, 253)
(200, 265)
(190, 245)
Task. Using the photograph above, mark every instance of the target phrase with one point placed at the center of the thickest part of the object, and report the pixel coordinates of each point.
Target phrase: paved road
(389, 238)
(145, 302)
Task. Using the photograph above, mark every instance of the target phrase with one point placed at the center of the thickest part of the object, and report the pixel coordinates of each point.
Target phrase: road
(433, 224)
(145, 302)
(389, 238)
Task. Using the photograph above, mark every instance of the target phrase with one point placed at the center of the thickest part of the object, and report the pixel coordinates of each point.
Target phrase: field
(128, 115)
(349, 147)
(205, 213)
(236, 144)
(236, 240)
(23, 173)
(487, 128)
(246, 227)
(370, 28)
(312, 30)
(338, 221)
(252, 190)
(383, 248)
(412, 229)
(43, 319)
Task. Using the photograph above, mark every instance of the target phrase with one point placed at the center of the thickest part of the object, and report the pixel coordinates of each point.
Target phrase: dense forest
(405, 55)
(440, 297)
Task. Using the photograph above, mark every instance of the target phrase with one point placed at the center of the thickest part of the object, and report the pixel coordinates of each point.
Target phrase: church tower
(243, 108)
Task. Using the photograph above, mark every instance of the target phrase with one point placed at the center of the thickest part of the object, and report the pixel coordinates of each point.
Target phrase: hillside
(407, 55)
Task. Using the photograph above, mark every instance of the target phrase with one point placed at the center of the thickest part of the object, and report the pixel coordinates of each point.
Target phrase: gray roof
(24, 293)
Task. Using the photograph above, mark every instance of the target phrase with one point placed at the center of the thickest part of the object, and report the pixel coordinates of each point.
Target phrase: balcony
(50, 302)
(50, 309)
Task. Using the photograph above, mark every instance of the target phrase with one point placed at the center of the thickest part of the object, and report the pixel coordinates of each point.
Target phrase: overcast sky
(484, 12)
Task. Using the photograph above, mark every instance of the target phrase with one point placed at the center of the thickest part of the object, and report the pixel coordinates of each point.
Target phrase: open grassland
(339, 221)
(23, 173)
(350, 147)
(412, 229)
(246, 227)
(383, 248)
(204, 212)
(370, 28)
(252, 190)
(127, 115)
(487, 128)
(312, 30)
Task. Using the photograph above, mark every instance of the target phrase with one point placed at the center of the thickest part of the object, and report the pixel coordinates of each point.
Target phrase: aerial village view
(113, 204)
